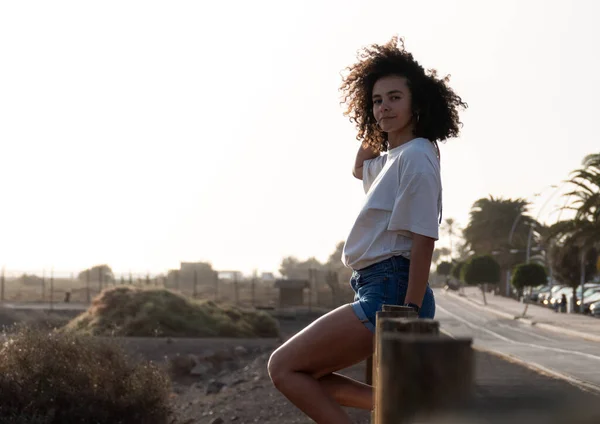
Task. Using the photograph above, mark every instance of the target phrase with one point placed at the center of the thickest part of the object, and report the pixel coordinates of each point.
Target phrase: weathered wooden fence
(416, 372)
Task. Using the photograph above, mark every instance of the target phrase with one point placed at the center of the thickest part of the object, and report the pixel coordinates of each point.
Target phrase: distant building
(203, 272)
(291, 292)
(267, 277)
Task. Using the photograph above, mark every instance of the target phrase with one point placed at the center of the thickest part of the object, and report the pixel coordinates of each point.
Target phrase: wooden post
(216, 276)
(391, 311)
(390, 324)
(43, 285)
(309, 291)
(195, 292)
(236, 289)
(2, 282)
(52, 289)
(87, 286)
(421, 375)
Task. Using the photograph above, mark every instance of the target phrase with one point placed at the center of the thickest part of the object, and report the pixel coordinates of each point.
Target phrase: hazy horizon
(143, 135)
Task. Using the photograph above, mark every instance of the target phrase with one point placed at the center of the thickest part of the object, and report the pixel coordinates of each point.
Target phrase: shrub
(60, 377)
(481, 269)
(127, 311)
(529, 275)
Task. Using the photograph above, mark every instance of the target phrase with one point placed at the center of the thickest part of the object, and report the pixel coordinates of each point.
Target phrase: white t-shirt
(403, 196)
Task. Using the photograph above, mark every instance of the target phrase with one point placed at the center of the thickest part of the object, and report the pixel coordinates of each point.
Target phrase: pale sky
(145, 133)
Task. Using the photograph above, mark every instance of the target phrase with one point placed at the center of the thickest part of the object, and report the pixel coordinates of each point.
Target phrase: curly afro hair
(433, 101)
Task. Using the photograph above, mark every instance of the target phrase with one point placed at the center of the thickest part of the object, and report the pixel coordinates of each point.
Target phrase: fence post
(43, 285)
(2, 282)
(421, 375)
(312, 277)
(253, 291)
(87, 285)
(52, 289)
(235, 288)
(386, 323)
(216, 275)
(387, 311)
(195, 292)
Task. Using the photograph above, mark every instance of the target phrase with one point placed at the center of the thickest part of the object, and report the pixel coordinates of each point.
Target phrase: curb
(548, 327)
(582, 385)
(482, 307)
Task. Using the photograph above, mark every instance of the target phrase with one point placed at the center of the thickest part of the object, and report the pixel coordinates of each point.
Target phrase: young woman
(403, 110)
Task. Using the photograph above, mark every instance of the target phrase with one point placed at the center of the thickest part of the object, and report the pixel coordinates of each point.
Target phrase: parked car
(545, 297)
(557, 299)
(595, 309)
(588, 299)
(534, 294)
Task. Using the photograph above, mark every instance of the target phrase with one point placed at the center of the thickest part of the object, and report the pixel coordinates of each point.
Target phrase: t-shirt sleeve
(371, 169)
(416, 207)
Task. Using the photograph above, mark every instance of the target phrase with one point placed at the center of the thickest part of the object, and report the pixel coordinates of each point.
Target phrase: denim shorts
(385, 282)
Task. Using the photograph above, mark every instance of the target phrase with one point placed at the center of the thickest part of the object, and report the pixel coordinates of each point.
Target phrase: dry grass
(128, 311)
(60, 377)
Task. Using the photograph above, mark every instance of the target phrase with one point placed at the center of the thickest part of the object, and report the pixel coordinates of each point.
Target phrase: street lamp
(514, 226)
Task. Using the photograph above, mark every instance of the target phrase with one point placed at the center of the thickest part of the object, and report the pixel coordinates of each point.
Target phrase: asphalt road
(572, 358)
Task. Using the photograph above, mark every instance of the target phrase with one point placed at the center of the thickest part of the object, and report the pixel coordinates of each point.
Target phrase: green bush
(444, 268)
(60, 377)
(456, 270)
(481, 269)
(529, 275)
(127, 311)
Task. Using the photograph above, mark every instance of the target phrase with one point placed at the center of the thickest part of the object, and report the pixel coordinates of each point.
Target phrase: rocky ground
(225, 381)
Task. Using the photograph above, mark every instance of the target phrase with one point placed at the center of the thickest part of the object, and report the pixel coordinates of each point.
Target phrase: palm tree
(491, 221)
(449, 228)
(582, 232)
(439, 253)
(585, 226)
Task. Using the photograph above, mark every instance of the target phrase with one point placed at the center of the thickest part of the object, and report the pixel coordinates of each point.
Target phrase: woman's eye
(396, 97)
(376, 102)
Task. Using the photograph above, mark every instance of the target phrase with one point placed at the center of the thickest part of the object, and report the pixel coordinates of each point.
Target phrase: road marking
(529, 333)
(506, 339)
(515, 328)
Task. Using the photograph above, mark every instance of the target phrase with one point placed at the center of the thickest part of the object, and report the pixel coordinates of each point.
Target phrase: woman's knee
(278, 367)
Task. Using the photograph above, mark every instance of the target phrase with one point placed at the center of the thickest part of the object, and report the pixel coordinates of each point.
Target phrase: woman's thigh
(334, 341)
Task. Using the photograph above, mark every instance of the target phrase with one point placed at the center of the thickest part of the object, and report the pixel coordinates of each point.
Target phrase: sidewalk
(542, 317)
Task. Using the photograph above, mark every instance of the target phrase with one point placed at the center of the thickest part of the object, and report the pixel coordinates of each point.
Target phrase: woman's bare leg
(347, 391)
(302, 368)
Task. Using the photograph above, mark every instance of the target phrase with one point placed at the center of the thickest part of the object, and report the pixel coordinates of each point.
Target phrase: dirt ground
(229, 384)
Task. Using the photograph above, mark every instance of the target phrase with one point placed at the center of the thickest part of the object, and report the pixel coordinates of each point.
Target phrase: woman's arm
(362, 155)
(420, 263)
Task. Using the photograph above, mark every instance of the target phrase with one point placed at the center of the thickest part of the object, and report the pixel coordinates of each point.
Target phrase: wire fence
(64, 290)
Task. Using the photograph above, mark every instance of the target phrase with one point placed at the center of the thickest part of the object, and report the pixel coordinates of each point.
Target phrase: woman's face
(392, 104)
